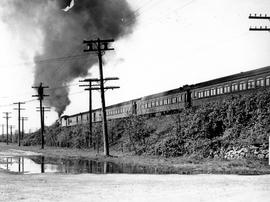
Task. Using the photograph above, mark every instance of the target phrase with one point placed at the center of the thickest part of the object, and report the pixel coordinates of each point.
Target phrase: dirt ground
(122, 187)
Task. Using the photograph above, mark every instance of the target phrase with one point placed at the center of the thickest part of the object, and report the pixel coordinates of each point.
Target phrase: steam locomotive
(180, 98)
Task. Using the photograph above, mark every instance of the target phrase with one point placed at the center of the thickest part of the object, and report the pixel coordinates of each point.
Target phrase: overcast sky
(174, 42)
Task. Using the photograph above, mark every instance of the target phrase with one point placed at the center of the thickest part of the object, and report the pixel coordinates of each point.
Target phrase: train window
(165, 101)
(153, 103)
(220, 90)
(234, 87)
(267, 82)
(206, 93)
(251, 84)
(260, 82)
(169, 100)
(226, 89)
(160, 102)
(148, 105)
(213, 91)
(174, 100)
(157, 103)
(242, 86)
(200, 94)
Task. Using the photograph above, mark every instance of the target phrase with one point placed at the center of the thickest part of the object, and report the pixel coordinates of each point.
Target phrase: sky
(173, 43)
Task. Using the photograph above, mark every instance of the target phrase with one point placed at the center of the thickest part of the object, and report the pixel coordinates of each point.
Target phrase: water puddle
(41, 164)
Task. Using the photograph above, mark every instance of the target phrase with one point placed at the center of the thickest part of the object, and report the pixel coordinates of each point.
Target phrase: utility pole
(259, 17)
(44, 109)
(105, 88)
(90, 88)
(41, 96)
(23, 119)
(11, 133)
(100, 47)
(90, 84)
(7, 117)
(19, 120)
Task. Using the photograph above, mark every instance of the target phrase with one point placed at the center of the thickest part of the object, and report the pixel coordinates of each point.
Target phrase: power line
(47, 60)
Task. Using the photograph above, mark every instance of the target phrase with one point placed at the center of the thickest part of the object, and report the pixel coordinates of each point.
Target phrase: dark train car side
(241, 83)
(180, 98)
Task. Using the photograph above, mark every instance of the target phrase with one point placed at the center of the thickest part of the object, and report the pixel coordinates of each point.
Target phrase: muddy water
(41, 164)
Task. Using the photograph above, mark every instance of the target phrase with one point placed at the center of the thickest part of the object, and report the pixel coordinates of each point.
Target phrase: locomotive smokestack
(63, 25)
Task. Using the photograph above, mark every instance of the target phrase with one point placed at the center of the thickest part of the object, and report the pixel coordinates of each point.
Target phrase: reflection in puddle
(41, 164)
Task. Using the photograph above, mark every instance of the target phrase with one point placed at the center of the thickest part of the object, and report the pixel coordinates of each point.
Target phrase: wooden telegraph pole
(44, 109)
(7, 117)
(19, 120)
(100, 46)
(11, 139)
(90, 84)
(40, 90)
(92, 87)
(23, 120)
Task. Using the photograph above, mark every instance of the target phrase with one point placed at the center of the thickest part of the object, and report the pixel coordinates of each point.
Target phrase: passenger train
(180, 98)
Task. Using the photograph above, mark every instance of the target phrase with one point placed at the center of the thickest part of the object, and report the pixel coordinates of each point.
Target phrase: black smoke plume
(63, 33)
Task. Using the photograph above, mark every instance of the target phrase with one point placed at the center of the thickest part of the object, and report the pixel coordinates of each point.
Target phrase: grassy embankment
(229, 136)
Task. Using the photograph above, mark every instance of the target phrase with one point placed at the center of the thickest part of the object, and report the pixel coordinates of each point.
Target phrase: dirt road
(122, 187)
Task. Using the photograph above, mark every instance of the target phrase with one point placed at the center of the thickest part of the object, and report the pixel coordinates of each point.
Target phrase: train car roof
(107, 107)
(233, 77)
(122, 103)
(165, 93)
